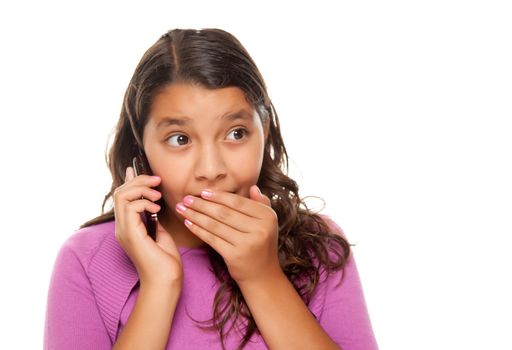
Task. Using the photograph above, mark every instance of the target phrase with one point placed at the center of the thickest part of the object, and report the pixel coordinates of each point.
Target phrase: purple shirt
(94, 287)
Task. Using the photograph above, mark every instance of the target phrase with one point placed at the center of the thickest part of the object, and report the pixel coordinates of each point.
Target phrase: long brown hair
(215, 59)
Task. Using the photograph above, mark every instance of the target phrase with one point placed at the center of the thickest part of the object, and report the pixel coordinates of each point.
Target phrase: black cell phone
(141, 167)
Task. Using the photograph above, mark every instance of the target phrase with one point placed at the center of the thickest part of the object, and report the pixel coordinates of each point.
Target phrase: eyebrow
(239, 115)
(167, 121)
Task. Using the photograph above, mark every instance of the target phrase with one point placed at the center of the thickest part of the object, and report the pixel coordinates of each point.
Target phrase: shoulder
(333, 226)
(331, 239)
(334, 258)
(86, 242)
(98, 250)
(93, 259)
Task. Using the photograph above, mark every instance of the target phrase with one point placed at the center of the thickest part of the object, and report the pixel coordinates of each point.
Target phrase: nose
(210, 165)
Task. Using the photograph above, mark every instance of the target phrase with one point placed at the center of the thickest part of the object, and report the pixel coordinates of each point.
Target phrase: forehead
(190, 102)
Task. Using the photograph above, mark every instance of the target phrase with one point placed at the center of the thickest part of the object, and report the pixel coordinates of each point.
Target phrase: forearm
(283, 319)
(150, 321)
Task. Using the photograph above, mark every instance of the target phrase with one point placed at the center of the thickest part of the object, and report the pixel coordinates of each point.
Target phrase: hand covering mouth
(214, 189)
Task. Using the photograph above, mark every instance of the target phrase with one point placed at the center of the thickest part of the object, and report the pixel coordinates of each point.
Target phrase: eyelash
(244, 131)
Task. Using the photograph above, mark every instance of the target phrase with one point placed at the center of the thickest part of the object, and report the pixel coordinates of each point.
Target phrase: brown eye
(237, 134)
(177, 140)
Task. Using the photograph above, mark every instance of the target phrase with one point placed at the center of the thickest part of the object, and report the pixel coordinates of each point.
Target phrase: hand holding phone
(141, 167)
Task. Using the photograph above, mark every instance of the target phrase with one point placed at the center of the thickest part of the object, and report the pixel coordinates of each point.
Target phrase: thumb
(255, 194)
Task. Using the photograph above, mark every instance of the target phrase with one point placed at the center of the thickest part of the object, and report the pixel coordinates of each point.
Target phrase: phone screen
(141, 167)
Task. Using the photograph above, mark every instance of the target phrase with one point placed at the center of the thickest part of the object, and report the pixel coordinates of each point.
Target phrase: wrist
(264, 281)
(163, 289)
(156, 279)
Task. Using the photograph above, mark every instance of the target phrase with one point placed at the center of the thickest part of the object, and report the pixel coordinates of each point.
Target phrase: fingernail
(180, 208)
(188, 222)
(188, 200)
(206, 194)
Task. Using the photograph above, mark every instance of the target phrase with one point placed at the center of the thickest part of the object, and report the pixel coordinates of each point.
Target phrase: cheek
(246, 168)
(172, 190)
(174, 180)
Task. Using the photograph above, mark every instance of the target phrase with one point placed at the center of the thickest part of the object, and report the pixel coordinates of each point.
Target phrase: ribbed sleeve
(111, 289)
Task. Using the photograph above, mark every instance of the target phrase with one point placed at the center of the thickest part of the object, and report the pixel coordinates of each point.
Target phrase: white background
(396, 113)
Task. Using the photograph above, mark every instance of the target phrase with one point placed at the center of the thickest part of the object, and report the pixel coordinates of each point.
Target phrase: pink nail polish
(180, 208)
(188, 222)
(207, 194)
(188, 200)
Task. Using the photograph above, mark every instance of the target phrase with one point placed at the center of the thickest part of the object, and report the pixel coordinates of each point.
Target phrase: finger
(131, 193)
(219, 212)
(141, 205)
(129, 215)
(255, 194)
(210, 224)
(152, 180)
(241, 204)
(141, 180)
(220, 245)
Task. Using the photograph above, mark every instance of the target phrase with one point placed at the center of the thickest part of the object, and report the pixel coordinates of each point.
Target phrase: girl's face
(198, 138)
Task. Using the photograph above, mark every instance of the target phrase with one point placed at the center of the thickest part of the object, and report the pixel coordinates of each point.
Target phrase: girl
(238, 261)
